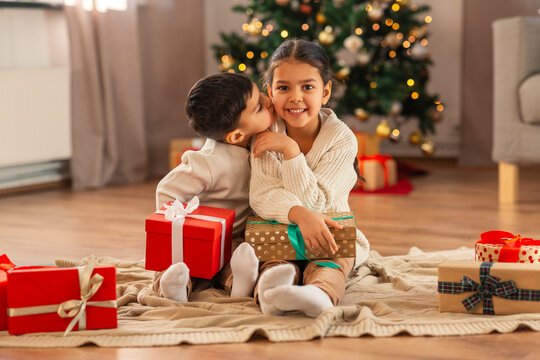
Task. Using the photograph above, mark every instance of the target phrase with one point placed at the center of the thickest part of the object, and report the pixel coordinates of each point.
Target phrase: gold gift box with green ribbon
(271, 239)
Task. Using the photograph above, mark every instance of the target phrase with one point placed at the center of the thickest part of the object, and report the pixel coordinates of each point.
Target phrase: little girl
(301, 169)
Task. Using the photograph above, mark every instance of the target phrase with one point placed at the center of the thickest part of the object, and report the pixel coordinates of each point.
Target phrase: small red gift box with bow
(502, 246)
(199, 236)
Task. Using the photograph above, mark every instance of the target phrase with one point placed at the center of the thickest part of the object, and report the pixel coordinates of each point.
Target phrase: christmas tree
(377, 50)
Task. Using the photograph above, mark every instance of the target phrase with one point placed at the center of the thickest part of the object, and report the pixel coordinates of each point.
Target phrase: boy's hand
(278, 142)
(314, 229)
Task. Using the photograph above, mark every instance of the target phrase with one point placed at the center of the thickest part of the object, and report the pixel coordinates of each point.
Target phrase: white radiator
(34, 125)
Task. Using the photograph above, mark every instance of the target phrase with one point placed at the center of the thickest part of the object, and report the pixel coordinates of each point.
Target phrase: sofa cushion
(529, 99)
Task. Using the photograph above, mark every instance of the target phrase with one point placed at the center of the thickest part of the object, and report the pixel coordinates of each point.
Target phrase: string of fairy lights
(378, 50)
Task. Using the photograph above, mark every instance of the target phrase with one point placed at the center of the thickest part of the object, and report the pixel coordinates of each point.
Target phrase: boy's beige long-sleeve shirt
(218, 175)
(319, 180)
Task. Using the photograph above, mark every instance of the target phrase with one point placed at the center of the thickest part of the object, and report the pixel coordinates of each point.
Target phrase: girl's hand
(278, 142)
(314, 229)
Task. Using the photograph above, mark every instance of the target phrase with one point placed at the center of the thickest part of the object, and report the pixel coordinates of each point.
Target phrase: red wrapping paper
(5, 265)
(502, 246)
(49, 286)
(201, 242)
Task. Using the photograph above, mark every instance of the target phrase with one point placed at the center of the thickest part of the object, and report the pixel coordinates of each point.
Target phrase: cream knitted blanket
(385, 297)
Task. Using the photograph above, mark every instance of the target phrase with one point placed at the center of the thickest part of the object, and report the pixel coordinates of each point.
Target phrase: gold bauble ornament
(343, 73)
(415, 138)
(361, 114)
(428, 147)
(383, 129)
(282, 2)
(403, 3)
(226, 63)
(320, 18)
(254, 27)
(326, 37)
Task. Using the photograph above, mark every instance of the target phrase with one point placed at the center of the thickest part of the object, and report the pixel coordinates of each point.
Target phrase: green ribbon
(297, 241)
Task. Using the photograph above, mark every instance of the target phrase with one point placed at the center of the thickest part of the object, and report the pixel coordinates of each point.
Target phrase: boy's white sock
(271, 278)
(245, 269)
(309, 299)
(174, 282)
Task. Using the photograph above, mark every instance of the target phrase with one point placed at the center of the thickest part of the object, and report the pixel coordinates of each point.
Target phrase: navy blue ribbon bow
(488, 287)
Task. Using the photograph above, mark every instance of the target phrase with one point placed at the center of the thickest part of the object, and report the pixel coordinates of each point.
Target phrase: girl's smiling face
(298, 92)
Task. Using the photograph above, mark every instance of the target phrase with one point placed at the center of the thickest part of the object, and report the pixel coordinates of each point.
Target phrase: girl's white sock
(174, 282)
(309, 299)
(245, 269)
(271, 278)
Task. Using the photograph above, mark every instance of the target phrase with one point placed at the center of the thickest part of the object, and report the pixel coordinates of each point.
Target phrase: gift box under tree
(379, 171)
(489, 288)
(275, 241)
(52, 299)
(502, 246)
(177, 148)
(368, 143)
(199, 236)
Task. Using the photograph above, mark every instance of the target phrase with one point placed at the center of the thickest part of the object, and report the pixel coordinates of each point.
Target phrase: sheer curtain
(130, 74)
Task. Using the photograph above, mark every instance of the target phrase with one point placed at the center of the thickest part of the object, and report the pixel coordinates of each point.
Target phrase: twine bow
(73, 308)
(488, 287)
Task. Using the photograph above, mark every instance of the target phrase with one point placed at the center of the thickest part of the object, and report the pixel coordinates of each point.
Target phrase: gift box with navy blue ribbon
(488, 288)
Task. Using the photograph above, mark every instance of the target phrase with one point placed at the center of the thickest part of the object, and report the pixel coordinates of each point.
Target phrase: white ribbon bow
(177, 214)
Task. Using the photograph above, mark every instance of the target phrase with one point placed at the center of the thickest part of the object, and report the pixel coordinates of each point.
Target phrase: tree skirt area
(385, 297)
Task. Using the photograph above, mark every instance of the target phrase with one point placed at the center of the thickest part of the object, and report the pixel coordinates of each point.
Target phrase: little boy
(227, 109)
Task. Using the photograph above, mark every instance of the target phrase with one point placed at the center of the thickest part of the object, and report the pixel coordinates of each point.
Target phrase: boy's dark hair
(300, 50)
(214, 104)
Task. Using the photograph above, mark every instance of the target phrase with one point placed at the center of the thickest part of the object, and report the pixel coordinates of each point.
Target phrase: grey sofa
(516, 133)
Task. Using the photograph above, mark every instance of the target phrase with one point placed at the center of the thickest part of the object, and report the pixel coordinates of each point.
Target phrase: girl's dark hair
(300, 50)
(214, 104)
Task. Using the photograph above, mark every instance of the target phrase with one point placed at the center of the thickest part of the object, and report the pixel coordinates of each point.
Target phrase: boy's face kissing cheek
(259, 113)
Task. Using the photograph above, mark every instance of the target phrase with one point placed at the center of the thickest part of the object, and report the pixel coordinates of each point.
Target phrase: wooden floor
(449, 208)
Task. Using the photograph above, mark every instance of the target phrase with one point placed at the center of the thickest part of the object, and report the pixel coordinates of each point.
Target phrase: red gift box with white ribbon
(48, 299)
(199, 236)
(502, 246)
(5, 265)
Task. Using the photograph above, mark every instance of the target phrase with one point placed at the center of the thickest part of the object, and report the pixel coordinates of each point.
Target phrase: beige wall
(477, 123)
(172, 46)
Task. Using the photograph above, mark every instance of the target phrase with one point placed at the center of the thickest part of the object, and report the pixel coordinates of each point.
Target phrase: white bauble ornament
(392, 40)
(363, 58)
(396, 108)
(353, 43)
(375, 14)
(419, 52)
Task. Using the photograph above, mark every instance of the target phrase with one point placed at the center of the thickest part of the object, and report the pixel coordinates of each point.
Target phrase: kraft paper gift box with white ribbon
(488, 288)
(49, 299)
(271, 241)
(199, 236)
(177, 147)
